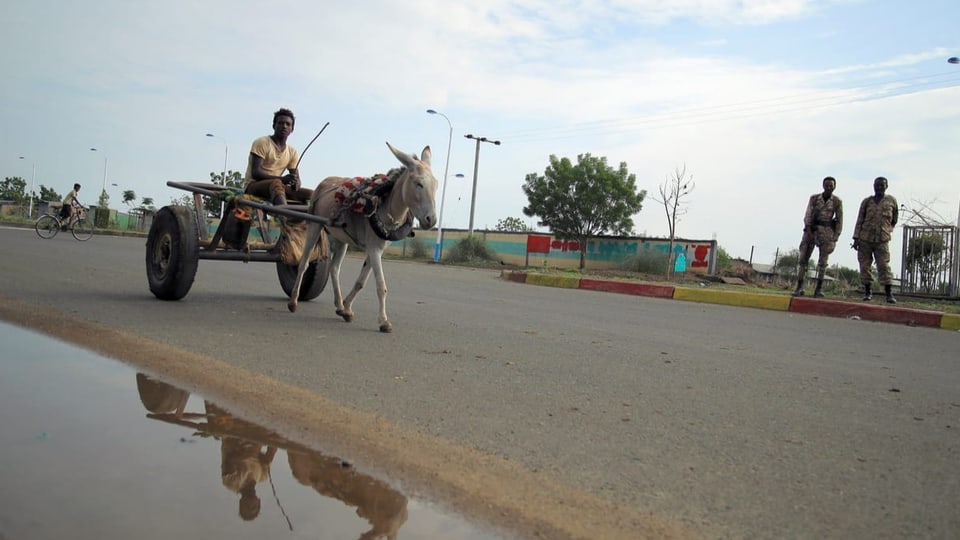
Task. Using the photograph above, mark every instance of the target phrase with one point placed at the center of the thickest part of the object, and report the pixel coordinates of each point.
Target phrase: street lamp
(476, 164)
(443, 192)
(33, 176)
(954, 286)
(103, 190)
(438, 249)
(225, 151)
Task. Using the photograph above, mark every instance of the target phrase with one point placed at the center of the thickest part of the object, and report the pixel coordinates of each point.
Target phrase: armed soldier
(871, 238)
(822, 225)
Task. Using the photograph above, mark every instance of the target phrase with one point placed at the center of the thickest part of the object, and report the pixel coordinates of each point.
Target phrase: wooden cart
(179, 239)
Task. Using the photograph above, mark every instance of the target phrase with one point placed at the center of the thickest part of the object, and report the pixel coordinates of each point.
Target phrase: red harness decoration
(360, 195)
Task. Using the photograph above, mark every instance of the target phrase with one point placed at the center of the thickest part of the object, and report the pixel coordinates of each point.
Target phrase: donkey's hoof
(386, 328)
(292, 306)
(346, 316)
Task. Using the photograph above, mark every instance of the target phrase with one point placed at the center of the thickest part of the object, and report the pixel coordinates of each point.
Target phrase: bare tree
(673, 191)
(920, 214)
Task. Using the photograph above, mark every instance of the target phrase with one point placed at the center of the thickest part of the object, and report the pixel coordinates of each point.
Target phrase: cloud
(655, 83)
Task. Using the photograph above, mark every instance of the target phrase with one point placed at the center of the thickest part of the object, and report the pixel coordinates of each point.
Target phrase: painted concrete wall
(601, 252)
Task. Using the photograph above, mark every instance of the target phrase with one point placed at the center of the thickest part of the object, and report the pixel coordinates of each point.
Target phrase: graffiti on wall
(697, 253)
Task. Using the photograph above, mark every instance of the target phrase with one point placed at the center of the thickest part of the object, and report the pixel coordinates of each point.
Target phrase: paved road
(710, 420)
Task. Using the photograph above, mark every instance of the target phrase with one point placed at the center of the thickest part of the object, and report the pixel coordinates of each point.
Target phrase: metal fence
(929, 263)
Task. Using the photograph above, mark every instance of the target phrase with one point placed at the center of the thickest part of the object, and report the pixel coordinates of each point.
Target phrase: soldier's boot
(818, 292)
(867, 294)
(799, 291)
(889, 290)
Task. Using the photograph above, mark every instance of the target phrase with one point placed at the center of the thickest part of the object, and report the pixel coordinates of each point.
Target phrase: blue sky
(759, 99)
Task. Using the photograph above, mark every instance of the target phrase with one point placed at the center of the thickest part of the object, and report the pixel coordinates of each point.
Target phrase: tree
(512, 224)
(13, 189)
(182, 200)
(924, 253)
(672, 192)
(48, 194)
(920, 214)
(211, 205)
(129, 197)
(104, 200)
(785, 265)
(147, 202)
(579, 201)
(724, 260)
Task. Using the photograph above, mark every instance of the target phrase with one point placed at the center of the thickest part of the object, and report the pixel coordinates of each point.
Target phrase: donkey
(369, 218)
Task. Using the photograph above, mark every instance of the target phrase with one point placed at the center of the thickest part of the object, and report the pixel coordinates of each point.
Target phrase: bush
(647, 262)
(101, 217)
(470, 249)
(418, 249)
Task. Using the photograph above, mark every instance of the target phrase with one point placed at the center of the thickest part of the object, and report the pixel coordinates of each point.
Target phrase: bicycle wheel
(47, 226)
(82, 229)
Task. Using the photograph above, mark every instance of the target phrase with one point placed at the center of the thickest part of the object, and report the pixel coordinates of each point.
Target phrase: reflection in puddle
(247, 452)
(80, 461)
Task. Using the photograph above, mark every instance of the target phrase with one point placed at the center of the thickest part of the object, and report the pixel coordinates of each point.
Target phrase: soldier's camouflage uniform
(822, 225)
(875, 223)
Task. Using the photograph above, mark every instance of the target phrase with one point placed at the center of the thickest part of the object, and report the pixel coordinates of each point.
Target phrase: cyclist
(70, 203)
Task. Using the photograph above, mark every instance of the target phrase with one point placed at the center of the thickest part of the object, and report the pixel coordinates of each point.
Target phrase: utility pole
(33, 177)
(476, 165)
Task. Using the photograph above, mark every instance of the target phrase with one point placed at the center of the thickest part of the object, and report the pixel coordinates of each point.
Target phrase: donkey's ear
(426, 155)
(405, 159)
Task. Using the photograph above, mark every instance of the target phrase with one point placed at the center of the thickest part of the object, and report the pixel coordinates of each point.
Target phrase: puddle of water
(91, 450)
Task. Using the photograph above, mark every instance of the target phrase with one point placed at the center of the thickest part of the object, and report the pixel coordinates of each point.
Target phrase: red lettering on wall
(565, 245)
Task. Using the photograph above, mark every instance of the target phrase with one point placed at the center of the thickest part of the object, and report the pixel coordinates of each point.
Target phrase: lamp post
(476, 164)
(443, 191)
(954, 285)
(33, 176)
(103, 190)
(438, 249)
(225, 151)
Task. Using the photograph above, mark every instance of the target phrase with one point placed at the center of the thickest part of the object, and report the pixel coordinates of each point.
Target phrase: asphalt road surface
(556, 413)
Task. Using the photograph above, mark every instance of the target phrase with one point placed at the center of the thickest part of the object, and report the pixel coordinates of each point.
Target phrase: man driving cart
(270, 157)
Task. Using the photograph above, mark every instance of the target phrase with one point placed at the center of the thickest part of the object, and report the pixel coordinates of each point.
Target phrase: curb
(776, 302)
(837, 308)
(626, 287)
(733, 298)
(950, 321)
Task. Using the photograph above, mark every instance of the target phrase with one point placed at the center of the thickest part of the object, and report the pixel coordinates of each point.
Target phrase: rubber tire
(47, 227)
(173, 250)
(314, 279)
(82, 230)
(157, 396)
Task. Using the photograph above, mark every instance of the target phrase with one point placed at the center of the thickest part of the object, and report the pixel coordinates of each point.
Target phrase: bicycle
(50, 224)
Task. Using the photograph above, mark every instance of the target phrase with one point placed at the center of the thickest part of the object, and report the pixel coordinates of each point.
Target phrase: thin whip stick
(311, 142)
(282, 511)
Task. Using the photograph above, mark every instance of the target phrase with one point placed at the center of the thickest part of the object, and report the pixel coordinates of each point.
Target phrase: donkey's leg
(338, 254)
(357, 286)
(313, 236)
(377, 263)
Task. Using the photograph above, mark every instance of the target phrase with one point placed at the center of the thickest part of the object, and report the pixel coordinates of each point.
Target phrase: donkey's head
(418, 187)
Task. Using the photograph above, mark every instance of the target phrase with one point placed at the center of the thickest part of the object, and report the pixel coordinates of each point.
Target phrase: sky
(757, 99)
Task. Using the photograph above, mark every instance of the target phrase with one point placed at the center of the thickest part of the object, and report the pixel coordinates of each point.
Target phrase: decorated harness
(364, 195)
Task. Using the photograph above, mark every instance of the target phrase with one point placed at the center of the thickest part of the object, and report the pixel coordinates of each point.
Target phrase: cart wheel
(47, 226)
(159, 397)
(314, 279)
(82, 229)
(173, 250)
